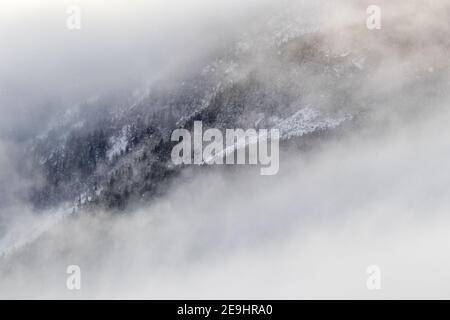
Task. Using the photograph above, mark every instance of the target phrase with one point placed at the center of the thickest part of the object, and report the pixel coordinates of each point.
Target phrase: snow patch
(307, 120)
(118, 143)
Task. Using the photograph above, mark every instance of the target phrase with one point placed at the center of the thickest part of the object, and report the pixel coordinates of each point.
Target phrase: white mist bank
(311, 232)
(378, 197)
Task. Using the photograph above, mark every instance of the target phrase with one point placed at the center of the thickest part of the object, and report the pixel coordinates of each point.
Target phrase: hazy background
(380, 196)
(45, 66)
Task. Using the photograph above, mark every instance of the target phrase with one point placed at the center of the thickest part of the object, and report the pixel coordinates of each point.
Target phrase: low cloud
(375, 195)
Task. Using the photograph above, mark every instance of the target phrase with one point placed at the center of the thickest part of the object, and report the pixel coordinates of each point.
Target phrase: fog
(378, 195)
(45, 67)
